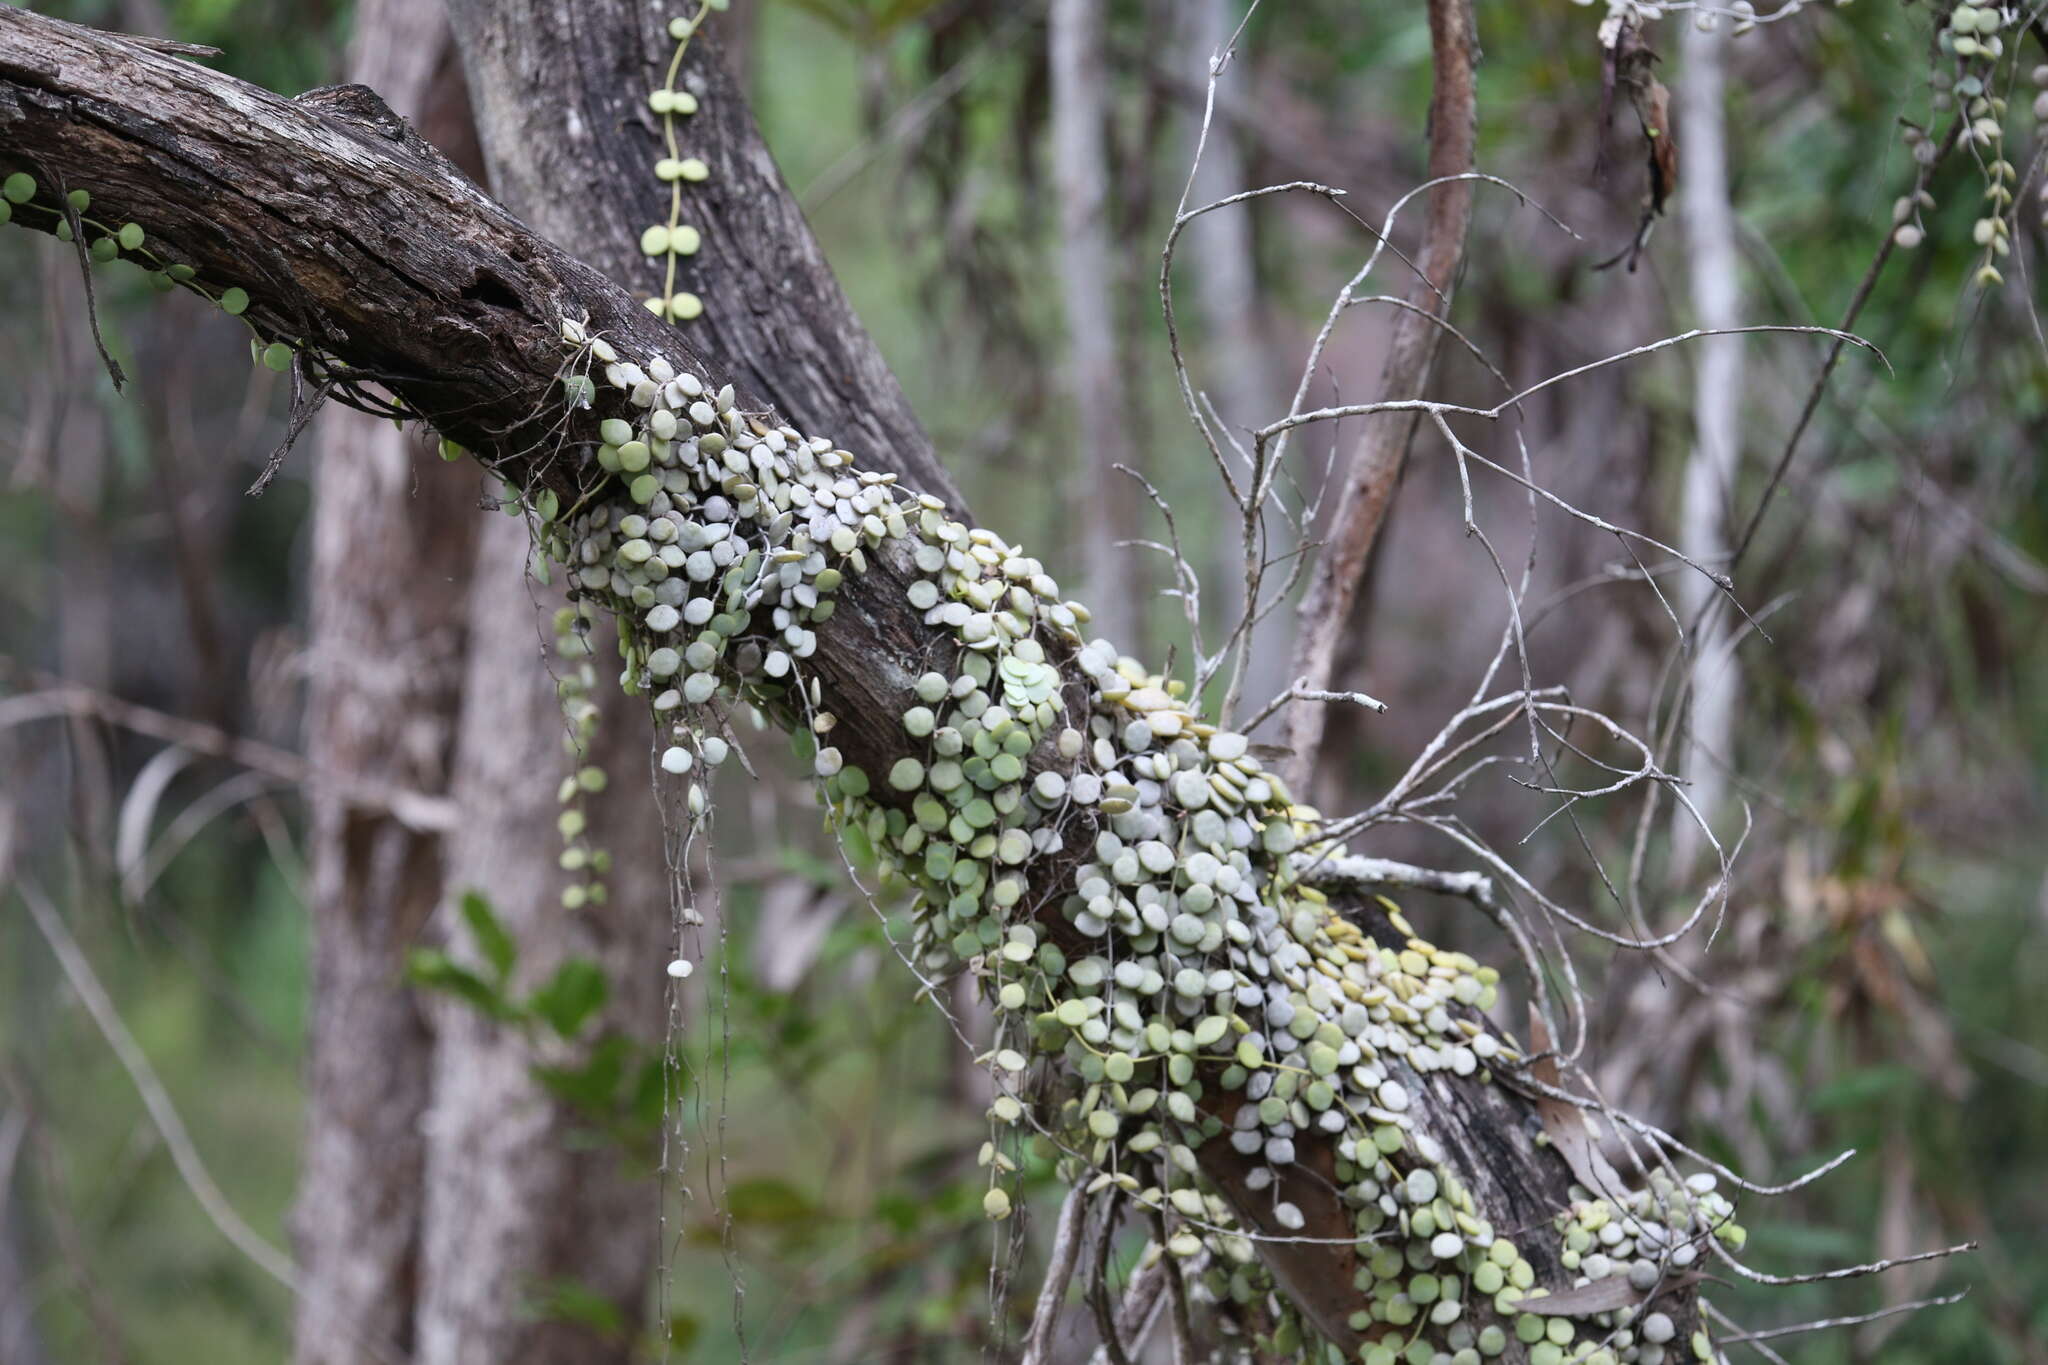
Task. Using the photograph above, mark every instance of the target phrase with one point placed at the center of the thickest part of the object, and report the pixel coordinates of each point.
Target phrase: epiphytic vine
(1194, 984)
(674, 239)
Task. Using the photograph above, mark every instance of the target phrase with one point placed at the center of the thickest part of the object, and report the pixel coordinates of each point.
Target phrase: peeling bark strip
(384, 258)
(1375, 470)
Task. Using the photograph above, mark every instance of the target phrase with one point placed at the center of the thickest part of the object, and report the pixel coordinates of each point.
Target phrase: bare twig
(416, 810)
(1098, 1285)
(92, 312)
(1183, 1332)
(155, 1099)
(1853, 1320)
(1301, 692)
(1861, 296)
(1476, 887)
(1847, 1272)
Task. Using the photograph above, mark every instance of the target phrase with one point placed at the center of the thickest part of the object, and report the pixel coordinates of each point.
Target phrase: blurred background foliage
(1885, 960)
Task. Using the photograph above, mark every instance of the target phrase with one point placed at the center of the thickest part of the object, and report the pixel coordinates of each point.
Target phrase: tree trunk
(570, 141)
(392, 542)
(518, 1208)
(20, 1341)
(476, 1206)
(1715, 261)
(1087, 273)
(1414, 338)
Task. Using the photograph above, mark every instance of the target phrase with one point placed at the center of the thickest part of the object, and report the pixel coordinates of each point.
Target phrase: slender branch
(1300, 692)
(416, 810)
(1144, 1299)
(1376, 464)
(1864, 288)
(1476, 887)
(155, 1099)
(1098, 1285)
(1052, 1295)
(1182, 1327)
(1852, 1320)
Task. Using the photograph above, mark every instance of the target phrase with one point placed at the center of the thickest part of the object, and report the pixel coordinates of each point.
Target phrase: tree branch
(1375, 469)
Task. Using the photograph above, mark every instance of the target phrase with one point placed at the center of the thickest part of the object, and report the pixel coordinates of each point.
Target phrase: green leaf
(573, 1302)
(571, 996)
(491, 939)
(860, 850)
(682, 1332)
(803, 863)
(768, 1200)
(594, 1086)
(900, 1212)
(1864, 1085)
(432, 969)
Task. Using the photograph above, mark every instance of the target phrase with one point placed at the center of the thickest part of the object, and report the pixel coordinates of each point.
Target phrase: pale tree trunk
(1717, 423)
(516, 1207)
(1218, 260)
(392, 538)
(440, 1196)
(1085, 264)
(20, 1342)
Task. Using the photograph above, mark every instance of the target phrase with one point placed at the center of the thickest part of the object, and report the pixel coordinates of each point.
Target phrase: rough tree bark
(440, 1195)
(510, 1209)
(570, 137)
(392, 540)
(387, 261)
(517, 1206)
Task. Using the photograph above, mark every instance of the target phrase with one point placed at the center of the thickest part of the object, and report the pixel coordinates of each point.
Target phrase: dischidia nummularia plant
(108, 242)
(674, 239)
(1194, 983)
